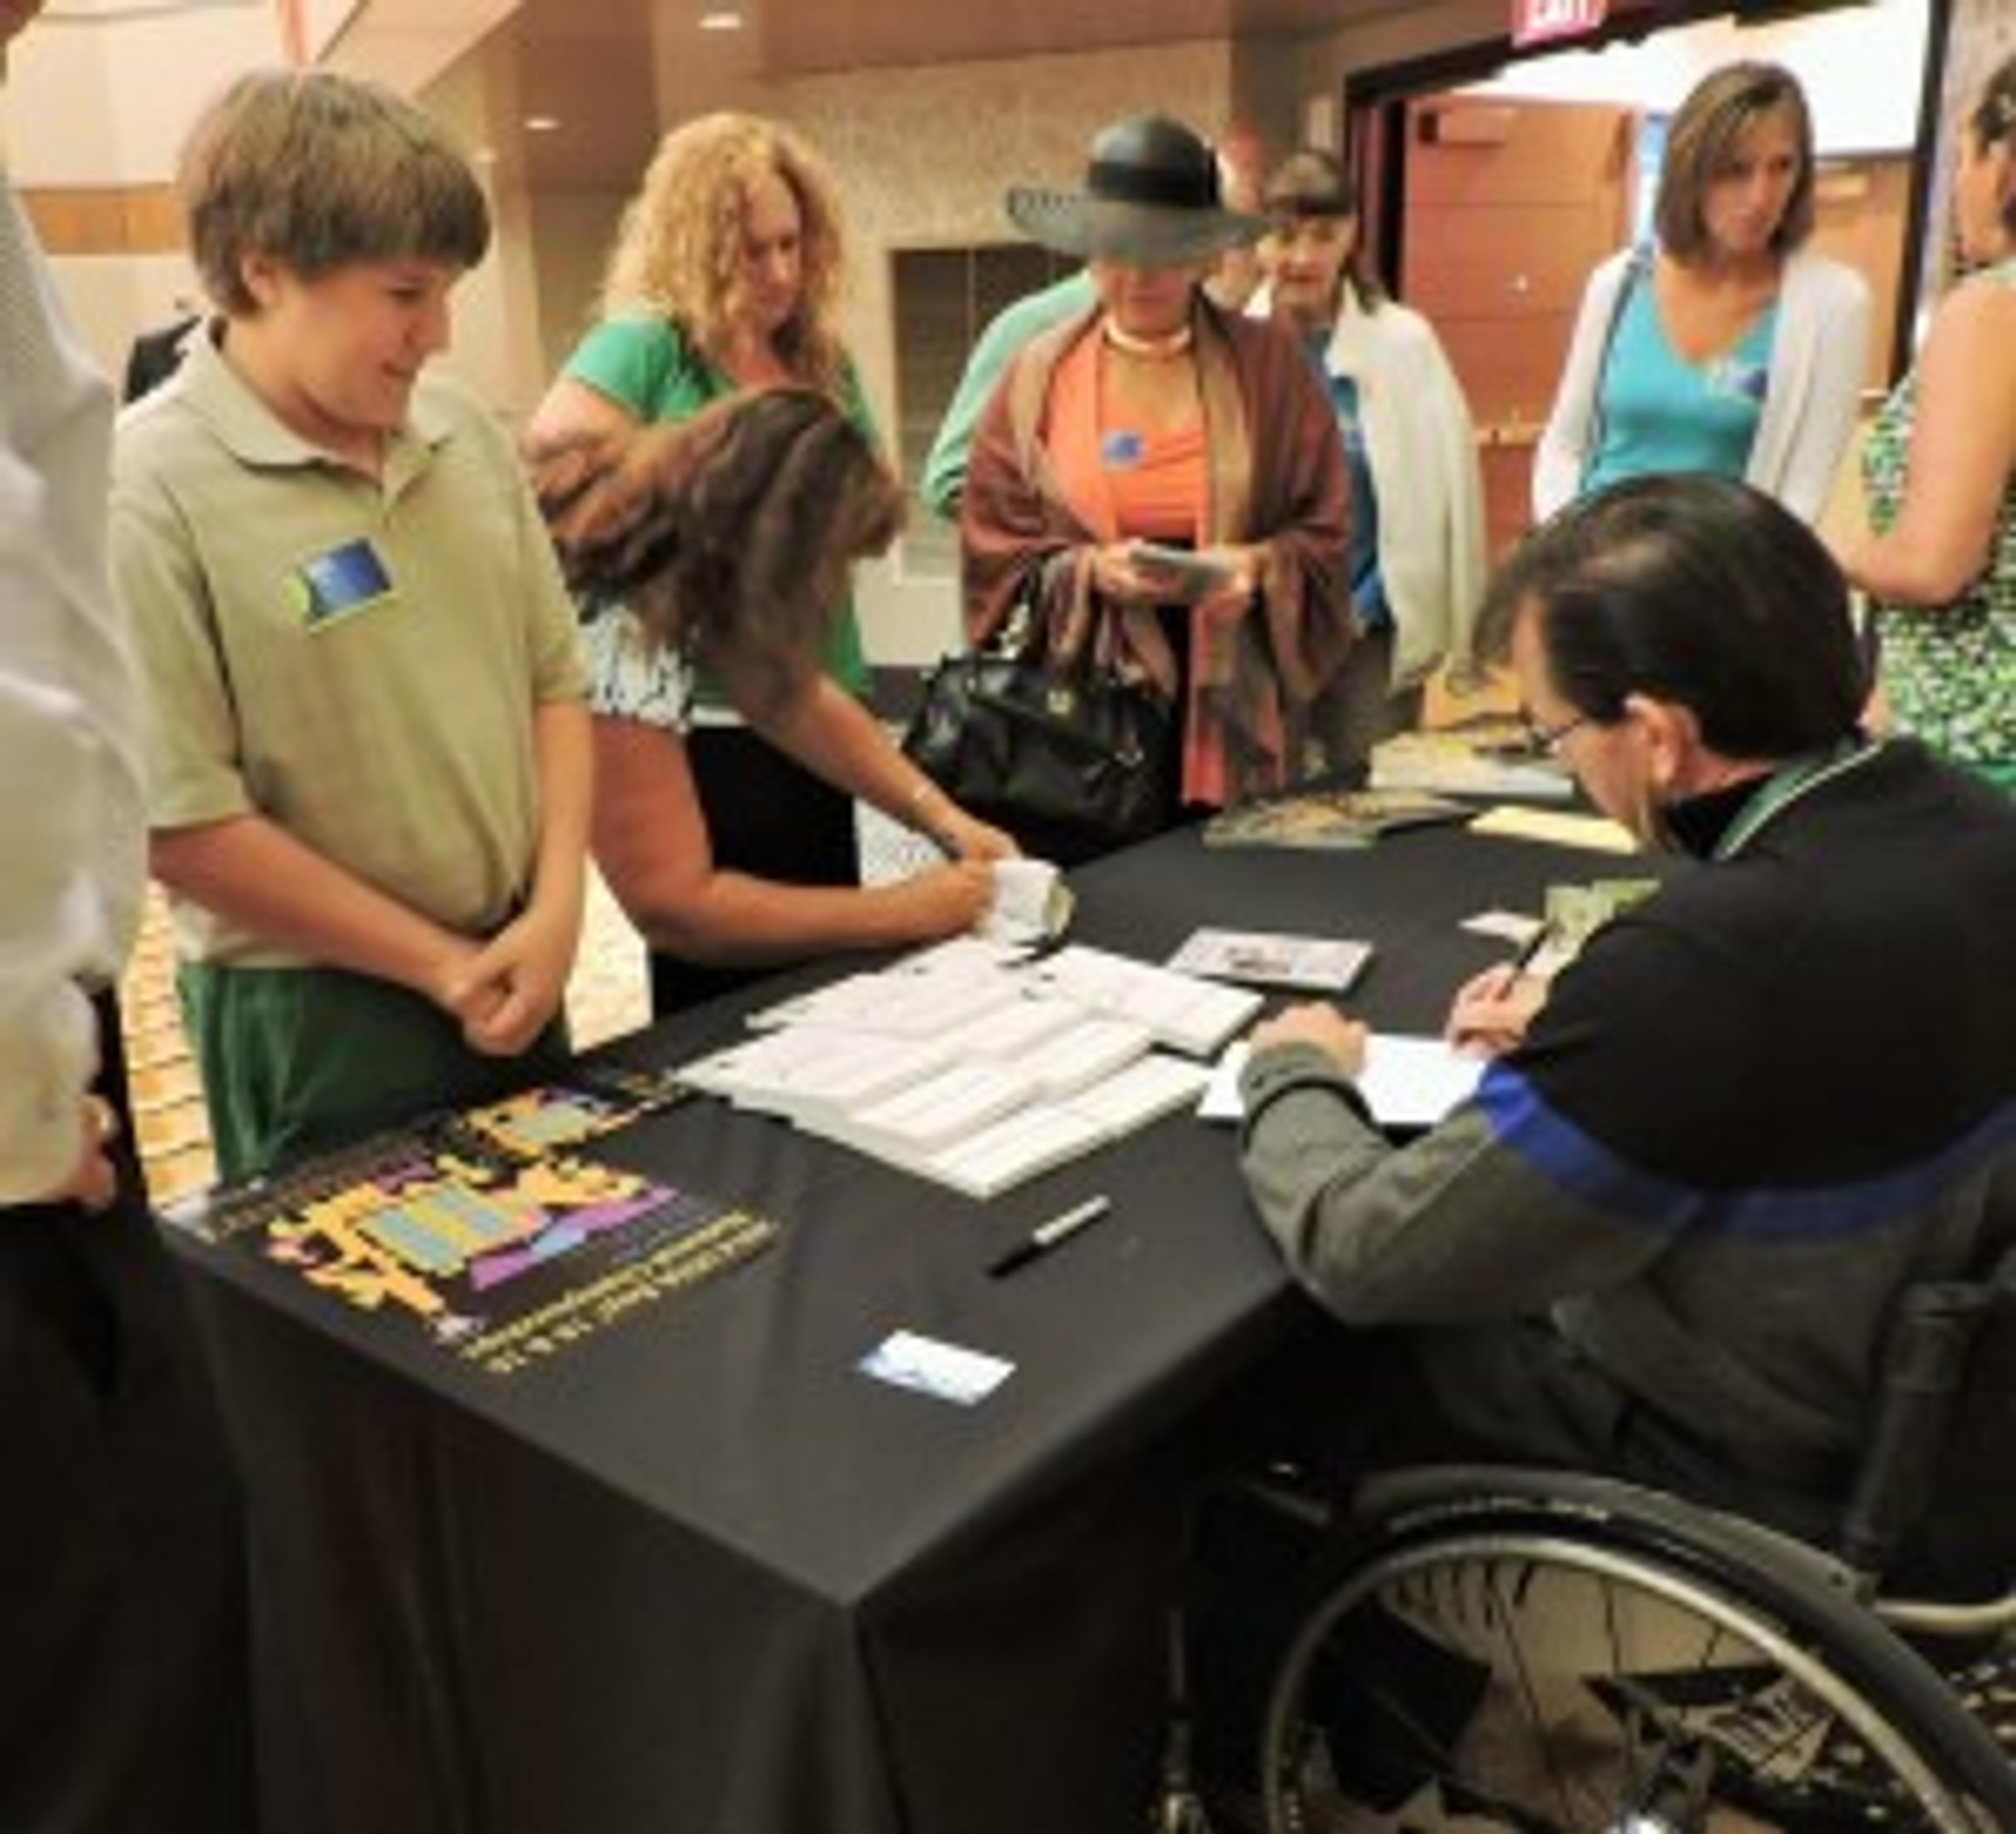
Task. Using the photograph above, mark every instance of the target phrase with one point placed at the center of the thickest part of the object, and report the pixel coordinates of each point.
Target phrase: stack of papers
(1180, 1011)
(1446, 764)
(802, 1072)
(973, 1066)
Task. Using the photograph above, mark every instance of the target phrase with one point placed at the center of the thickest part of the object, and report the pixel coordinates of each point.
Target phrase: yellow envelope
(1598, 833)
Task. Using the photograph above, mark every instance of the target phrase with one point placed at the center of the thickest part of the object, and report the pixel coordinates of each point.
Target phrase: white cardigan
(1421, 447)
(1812, 391)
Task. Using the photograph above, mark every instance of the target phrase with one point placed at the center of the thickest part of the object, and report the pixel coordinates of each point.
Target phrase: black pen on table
(1046, 1236)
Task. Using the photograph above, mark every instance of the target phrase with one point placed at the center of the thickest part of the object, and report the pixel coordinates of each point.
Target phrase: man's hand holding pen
(1488, 1016)
(1491, 1011)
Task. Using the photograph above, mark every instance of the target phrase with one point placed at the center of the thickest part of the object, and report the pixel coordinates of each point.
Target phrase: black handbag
(1074, 763)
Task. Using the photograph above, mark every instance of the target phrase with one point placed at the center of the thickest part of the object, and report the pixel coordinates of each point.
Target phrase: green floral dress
(1951, 673)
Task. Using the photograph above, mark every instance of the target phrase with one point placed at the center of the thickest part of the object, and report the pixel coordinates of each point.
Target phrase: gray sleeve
(1452, 1226)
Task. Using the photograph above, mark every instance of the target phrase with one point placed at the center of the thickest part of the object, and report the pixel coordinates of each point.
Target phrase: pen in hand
(1046, 1236)
(1531, 949)
(1491, 1010)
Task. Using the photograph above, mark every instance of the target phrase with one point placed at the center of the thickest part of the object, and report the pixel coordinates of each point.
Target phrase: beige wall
(89, 107)
(495, 349)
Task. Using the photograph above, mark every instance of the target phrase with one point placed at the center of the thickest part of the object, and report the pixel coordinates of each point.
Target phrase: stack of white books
(1180, 1010)
(977, 1068)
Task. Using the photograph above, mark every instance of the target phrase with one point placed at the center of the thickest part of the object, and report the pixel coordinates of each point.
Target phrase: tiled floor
(607, 998)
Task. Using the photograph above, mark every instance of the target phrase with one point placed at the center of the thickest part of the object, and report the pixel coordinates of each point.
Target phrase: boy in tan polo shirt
(369, 752)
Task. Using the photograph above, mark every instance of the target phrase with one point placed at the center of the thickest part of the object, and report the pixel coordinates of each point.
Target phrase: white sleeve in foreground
(71, 803)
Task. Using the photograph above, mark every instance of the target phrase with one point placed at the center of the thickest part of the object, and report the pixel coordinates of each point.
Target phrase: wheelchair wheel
(1557, 1655)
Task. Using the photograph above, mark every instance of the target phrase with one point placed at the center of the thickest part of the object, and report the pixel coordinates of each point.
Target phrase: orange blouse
(1128, 482)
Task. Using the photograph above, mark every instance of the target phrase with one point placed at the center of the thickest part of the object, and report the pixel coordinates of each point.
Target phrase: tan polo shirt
(357, 660)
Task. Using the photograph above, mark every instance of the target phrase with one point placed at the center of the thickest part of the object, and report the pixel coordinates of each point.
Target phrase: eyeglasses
(1546, 740)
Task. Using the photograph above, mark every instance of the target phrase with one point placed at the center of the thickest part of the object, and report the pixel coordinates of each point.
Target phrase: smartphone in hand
(1190, 576)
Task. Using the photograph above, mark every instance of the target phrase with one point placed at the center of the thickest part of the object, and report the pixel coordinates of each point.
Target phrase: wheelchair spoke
(1526, 1685)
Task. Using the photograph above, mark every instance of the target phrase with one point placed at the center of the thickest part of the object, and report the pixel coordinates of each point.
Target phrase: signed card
(910, 1360)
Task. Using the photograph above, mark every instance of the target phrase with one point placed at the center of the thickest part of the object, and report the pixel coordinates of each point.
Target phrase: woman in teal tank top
(1938, 562)
(1725, 345)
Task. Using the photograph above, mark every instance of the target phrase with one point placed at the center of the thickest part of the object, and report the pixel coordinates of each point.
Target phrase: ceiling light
(542, 124)
(720, 19)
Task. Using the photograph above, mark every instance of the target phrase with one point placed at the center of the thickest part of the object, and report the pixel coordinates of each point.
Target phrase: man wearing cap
(1154, 421)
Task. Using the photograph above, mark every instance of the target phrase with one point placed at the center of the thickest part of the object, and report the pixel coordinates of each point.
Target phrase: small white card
(1322, 964)
(912, 1361)
(1505, 927)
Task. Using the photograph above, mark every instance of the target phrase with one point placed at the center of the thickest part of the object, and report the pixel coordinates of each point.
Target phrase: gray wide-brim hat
(1150, 198)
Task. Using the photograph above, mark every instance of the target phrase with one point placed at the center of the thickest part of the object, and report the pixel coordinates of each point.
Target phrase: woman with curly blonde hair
(679, 252)
(732, 846)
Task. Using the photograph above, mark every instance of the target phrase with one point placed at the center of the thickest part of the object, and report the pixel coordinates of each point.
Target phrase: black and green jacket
(1758, 1102)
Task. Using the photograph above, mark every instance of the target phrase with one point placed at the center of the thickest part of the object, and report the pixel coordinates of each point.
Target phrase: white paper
(1092, 1049)
(1012, 1030)
(798, 1070)
(1407, 1081)
(962, 1065)
(945, 1371)
(1413, 1082)
(929, 1116)
(1018, 1146)
(1266, 958)
(1147, 1089)
(1181, 1011)
(1515, 927)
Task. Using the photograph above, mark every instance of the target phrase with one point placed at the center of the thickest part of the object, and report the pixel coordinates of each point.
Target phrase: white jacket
(1421, 446)
(1813, 391)
(70, 802)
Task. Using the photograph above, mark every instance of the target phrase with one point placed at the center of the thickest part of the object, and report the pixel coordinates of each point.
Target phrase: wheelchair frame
(1474, 1529)
(1841, 1647)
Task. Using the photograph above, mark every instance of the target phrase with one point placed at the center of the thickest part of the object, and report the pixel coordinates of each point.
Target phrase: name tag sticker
(944, 1370)
(1122, 449)
(344, 580)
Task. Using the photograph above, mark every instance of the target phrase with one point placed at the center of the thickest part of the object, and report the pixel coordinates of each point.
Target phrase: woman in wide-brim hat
(1156, 421)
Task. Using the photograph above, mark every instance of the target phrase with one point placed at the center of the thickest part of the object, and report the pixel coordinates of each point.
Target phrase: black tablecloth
(701, 1573)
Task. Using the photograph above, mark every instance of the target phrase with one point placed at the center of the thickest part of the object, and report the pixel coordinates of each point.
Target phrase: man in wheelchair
(1667, 1239)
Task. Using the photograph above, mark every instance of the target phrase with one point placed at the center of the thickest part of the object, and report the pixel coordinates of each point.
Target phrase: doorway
(1509, 206)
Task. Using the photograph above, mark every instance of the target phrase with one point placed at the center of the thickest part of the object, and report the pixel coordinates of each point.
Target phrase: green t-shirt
(1006, 333)
(646, 365)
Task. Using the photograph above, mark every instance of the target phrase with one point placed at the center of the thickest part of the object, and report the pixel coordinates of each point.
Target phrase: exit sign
(1536, 22)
